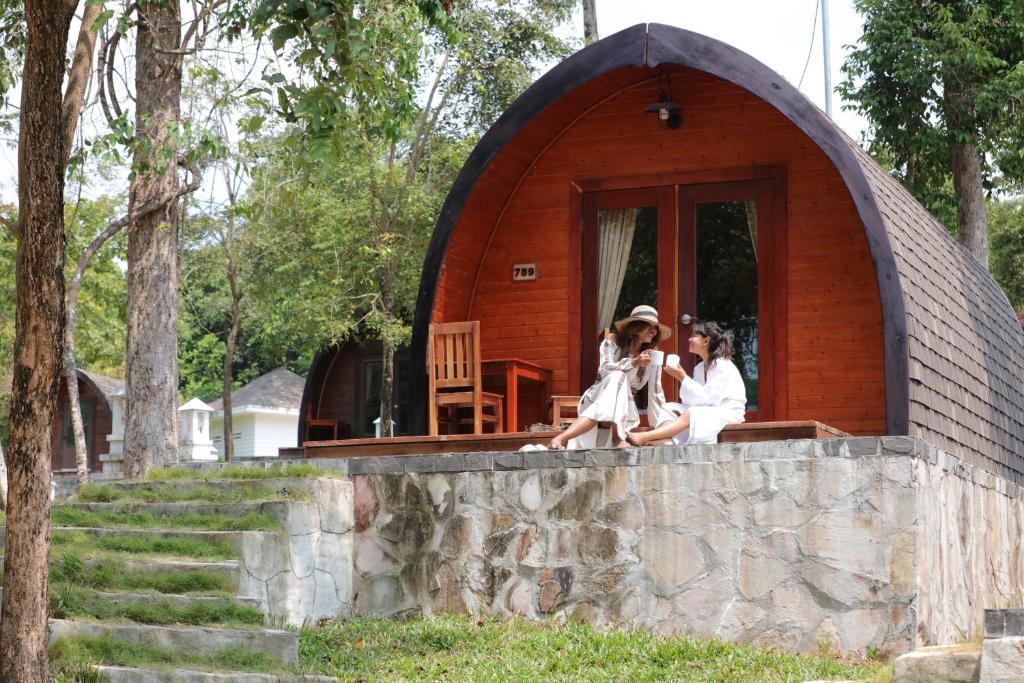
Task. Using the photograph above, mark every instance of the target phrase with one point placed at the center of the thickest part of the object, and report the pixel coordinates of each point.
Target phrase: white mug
(672, 361)
(657, 357)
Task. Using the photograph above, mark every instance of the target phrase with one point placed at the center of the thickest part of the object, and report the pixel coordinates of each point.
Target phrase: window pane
(727, 279)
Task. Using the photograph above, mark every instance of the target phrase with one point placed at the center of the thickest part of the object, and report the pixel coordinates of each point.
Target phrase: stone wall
(852, 543)
(304, 571)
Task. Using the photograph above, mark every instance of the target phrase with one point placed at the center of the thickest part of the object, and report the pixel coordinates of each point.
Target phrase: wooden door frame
(772, 248)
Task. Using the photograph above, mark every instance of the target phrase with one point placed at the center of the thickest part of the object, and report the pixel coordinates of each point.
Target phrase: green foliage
(1006, 256)
(67, 654)
(929, 74)
(67, 600)
(135, 518)
(113, 573)
(75, 541)
(236, 472)
(102, 323)
(12, 51)
(464, 649)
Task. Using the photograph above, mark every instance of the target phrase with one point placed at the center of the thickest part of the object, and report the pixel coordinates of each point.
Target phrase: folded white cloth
(534, 447)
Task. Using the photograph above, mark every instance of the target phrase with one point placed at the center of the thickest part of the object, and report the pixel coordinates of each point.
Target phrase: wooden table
(512, 370)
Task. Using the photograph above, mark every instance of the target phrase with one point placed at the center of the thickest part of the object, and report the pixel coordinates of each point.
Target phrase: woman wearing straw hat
(624, 353)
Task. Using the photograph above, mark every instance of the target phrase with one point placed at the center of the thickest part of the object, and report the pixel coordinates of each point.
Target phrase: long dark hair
(719, 340)
(628, 338)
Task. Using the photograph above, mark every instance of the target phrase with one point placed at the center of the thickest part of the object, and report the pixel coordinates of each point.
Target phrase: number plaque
(524, 271)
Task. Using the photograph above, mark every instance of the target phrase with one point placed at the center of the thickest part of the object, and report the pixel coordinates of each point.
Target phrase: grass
(161, 492)
(68, 657)
(276, 471)
(68, 600)
(116, 519)
(112, 574)
(84, 544)
(461, 649)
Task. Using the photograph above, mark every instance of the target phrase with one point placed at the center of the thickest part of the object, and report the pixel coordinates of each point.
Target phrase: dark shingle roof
(280, 388)
(106, 385)
(965, 341)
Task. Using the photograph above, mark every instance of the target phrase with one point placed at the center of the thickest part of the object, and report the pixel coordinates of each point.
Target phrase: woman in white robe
(714, 397)
(623, 355)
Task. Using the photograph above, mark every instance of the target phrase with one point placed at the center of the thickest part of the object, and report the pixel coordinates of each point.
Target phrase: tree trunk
(589, 21)
(151, 362)
(971, 222)
(387, 360)
(39, 336)
(229, 355)
(3, 479)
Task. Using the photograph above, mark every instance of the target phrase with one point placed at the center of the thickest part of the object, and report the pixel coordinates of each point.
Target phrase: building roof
(954, 350)
(278, 389)
(105, 385)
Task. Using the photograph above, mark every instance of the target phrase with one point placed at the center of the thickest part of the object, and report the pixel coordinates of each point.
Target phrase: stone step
(124, 598)
(238, 510)
(279, 486)
(123, 674)
(281, 646)
(228, 569)
(233, 538)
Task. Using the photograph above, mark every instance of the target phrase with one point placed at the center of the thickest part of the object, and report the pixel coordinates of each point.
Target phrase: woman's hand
(643, 360)
(675, 372)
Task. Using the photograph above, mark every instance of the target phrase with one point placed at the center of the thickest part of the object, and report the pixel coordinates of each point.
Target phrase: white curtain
(616, 228)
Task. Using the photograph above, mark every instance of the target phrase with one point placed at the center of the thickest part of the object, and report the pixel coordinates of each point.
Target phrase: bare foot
(634, 439)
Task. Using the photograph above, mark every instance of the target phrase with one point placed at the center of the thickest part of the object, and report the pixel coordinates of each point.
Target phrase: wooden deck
(468, 443)
(424, 445)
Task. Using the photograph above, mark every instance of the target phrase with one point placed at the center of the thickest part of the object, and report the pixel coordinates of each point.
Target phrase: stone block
(1002, 660)
(507, 461)
(959, 664)
(670, 558)
(376, 465)
(1000, 623)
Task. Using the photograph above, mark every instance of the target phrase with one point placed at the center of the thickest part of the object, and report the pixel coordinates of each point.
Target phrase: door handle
(686, 319)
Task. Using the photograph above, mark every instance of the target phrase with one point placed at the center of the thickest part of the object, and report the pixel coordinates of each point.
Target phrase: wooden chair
(453, 367)
(562, 404)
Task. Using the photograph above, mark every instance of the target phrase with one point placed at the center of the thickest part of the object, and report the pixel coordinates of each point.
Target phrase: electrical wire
(810, 49)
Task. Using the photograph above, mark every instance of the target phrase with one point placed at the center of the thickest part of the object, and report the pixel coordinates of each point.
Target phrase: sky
(776, 32)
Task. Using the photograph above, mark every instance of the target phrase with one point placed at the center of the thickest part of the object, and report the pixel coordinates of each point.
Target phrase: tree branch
(78, 78)
(11, 225)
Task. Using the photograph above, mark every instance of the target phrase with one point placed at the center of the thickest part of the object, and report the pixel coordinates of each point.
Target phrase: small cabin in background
(94, 392)
(342, 394)
(659, 166)
(265, 415)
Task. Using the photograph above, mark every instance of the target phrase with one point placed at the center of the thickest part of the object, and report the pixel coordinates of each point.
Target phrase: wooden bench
(778, 431)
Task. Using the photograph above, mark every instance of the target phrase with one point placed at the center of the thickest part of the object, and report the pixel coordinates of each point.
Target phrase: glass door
(625, 236)
(724, 254)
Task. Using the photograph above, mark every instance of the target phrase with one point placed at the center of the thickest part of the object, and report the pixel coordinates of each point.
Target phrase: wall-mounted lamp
(668, 111)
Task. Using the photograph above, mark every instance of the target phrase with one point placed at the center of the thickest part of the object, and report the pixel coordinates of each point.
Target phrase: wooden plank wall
(835, 369)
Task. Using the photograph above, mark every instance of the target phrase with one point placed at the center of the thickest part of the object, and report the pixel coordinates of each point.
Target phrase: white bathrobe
(713, 402)
(612, 398)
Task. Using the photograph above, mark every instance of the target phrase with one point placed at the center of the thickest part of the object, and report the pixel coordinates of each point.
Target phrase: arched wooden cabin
(852, 305)
(94, 393)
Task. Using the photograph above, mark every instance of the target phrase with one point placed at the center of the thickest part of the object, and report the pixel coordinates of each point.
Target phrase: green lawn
(276, 471)
(461, 649)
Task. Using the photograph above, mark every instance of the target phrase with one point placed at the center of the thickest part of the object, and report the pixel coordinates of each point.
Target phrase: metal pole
(828, 63)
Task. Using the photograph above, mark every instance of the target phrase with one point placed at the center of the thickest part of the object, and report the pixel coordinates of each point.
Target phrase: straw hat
(647, 314)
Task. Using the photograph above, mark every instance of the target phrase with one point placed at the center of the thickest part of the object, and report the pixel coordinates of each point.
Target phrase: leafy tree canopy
(928, 74)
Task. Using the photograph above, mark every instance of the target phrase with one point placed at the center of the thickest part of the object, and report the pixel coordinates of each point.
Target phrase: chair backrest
(453, 356)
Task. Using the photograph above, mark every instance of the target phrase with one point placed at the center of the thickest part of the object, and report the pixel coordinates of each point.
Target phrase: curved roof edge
(651, 45)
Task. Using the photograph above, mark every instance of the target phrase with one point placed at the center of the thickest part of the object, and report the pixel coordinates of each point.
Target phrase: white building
(265, 415)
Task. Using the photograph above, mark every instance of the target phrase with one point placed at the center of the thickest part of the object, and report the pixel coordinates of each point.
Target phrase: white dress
(713, 402)
(611, 397)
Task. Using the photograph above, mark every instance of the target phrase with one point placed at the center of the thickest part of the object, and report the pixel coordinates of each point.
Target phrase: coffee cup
(657, 357)
(672, 361)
